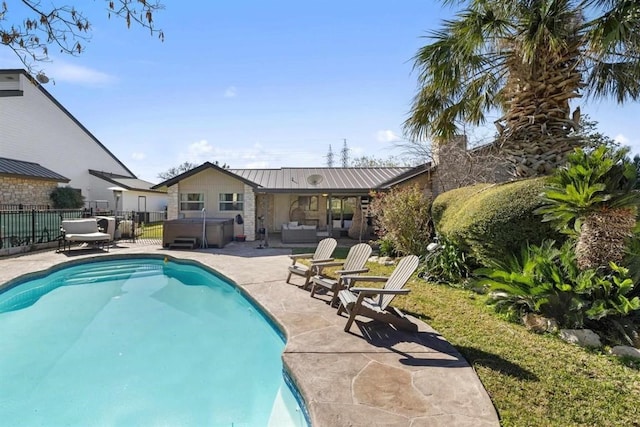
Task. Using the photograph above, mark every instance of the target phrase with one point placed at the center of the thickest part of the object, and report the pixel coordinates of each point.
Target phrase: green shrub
(387, 248)
(446, 264)
(403, 217)
(66, 198)
(493, 220)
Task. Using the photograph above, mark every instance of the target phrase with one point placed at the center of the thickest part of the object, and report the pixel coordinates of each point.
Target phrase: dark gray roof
(29, 170)
(126, 182)
(335, 180)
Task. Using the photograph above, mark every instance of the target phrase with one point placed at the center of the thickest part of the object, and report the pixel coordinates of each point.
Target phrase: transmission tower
(344, 154)
(329, 157)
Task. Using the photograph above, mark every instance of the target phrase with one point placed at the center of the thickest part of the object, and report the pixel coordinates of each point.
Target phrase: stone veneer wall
(15, 190)
(249, 213)
(172, 201)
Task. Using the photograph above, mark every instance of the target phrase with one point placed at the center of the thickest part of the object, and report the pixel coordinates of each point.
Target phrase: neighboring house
(332, 200)
(37, 128)
(131, 194)
(26, 184)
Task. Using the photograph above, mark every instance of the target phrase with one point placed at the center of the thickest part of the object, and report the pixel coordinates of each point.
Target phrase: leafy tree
(374, 162)
(182, 168)
(636, 163)
(66, 198)
(177, 170)
(403, 218)
(593, 138)
(527, 59)
(31, 27)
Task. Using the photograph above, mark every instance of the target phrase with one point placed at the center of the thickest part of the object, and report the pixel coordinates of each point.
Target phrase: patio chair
(374, 302)
(353, 264)
(321, 255)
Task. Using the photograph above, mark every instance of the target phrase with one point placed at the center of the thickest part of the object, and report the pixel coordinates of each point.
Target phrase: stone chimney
(444, 151)
(452, 164)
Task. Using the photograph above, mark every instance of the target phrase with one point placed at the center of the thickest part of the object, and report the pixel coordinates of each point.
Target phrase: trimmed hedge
(493, 220)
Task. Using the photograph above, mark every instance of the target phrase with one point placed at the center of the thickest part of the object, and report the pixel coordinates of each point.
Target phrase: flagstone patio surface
(373, 375)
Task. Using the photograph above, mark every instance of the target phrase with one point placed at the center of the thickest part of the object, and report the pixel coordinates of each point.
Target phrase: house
(130, 193)
(26, 184)
(37, 129)
(332, 201)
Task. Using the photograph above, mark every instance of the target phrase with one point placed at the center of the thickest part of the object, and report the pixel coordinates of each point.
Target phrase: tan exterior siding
(212, 183)
(423, 181)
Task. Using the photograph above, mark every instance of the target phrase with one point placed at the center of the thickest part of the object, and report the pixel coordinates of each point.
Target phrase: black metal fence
(21, 226)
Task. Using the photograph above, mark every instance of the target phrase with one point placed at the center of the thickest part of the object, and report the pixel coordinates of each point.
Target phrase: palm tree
(593, 199)
(526, 59)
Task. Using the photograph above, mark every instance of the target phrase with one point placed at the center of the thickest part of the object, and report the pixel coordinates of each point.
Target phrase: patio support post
(330, 222)
(265, 222)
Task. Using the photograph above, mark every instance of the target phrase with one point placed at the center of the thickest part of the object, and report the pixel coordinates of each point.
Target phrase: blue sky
(259, 84)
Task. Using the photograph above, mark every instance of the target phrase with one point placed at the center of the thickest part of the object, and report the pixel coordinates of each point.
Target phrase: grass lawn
(533, 380)
(152, 231)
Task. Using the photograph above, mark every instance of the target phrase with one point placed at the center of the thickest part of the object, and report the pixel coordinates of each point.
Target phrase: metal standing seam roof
(320, 179)
(125, 182)
(29, 169)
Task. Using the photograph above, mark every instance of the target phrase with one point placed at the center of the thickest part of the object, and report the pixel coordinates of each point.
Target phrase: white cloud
(634, 145)
(138, 155)
(387, 136)
(357, 152)
(621, 139)
(251, 157)
(200, 152)
(61, 71)
(231, 92)
(257, 165)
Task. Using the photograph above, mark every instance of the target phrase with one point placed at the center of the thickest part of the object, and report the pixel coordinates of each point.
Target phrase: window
(231, 201)
(191, 201)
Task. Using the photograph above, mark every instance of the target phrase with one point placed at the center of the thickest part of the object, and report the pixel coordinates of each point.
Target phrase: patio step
(183, 243)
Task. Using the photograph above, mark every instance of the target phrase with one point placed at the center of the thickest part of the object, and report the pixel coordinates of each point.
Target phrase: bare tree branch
(43, 25)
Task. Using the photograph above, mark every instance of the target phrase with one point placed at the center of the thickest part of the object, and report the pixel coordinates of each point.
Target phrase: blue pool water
(139, 342)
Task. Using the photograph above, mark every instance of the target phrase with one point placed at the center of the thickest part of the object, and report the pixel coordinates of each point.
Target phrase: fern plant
(546, 280)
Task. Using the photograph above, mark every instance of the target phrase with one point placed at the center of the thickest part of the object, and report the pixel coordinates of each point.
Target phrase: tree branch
(64, 27)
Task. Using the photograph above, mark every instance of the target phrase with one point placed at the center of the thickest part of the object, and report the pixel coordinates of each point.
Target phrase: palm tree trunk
(537, 125)
(603, 237)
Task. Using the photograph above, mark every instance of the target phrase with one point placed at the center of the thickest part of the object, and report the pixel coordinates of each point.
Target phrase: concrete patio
(373, 375)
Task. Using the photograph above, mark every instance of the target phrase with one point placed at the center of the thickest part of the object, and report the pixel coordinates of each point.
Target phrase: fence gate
(140, 227)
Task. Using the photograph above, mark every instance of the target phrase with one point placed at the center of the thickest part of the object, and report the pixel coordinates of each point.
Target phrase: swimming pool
(139, 342)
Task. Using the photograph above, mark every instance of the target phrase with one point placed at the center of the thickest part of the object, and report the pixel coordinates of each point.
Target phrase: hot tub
(218, 231)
